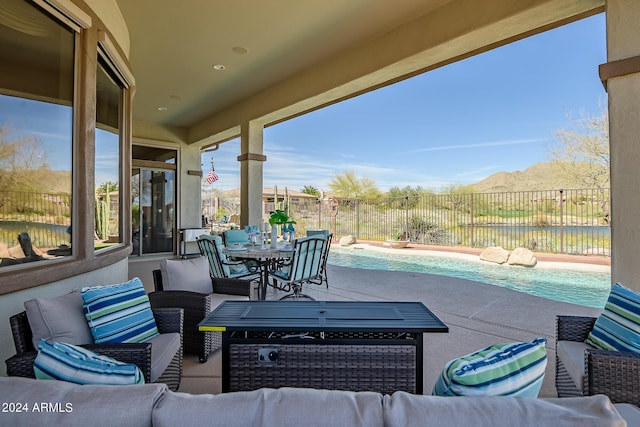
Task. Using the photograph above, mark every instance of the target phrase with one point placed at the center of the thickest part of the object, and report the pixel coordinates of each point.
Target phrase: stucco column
(251, 159)
(621, 75)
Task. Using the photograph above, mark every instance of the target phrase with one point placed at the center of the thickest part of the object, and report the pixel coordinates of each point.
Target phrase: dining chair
(220, 267)
(304, 266)
(232, 237)
(325, 256)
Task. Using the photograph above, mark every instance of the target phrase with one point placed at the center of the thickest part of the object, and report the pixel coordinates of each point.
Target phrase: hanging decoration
(212, 176)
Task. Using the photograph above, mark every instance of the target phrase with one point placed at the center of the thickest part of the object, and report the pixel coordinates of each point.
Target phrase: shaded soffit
(262, 43)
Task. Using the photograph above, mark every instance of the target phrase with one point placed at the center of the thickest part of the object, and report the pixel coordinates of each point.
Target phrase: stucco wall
(623, 25)
(110, 14)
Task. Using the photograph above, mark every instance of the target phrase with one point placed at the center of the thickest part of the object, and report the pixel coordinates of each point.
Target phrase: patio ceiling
(283, 58)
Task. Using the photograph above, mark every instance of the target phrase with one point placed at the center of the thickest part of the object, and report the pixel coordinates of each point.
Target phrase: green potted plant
(398, 240)
(278, 218)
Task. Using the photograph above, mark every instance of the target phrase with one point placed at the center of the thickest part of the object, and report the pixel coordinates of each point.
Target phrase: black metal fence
(46, 217)
(575, 221)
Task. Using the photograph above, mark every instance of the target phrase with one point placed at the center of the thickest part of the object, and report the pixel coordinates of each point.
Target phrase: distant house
(300, 203)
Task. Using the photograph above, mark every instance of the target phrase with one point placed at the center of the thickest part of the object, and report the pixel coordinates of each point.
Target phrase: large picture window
(36, 129)
(107, 158)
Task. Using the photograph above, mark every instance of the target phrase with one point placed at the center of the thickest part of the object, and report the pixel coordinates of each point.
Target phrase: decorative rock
(495, 254)
(522, 256)
(347, 240)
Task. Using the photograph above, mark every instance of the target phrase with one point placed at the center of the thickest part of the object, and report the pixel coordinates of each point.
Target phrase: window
(36, 129)
(153, 190)
(107, 157)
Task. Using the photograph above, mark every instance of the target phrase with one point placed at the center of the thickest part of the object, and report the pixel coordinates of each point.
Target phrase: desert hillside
(541, 176)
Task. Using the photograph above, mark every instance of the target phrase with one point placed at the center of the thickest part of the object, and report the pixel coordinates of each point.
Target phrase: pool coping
(594, 263)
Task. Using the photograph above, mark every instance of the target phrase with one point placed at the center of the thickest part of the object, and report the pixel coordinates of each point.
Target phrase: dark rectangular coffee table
(343, 345)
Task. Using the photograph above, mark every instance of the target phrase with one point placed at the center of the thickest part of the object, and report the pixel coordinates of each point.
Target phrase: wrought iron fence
(575, 221)
(46, 217)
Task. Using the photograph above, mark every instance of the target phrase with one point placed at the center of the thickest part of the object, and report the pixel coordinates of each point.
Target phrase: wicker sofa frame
(167, 321)
(614, 373)
(196, 307)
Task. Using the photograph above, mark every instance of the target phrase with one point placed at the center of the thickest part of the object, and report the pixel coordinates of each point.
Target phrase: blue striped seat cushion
(618, 326)
(67, 362)
(507, 369)
(119, 313)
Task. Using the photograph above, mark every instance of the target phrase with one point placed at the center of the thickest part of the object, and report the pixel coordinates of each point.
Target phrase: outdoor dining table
(263, 256)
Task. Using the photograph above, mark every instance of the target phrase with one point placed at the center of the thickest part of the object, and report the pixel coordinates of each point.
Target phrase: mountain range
(540, 176)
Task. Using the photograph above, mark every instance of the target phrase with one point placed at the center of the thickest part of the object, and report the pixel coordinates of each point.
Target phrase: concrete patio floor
(477, 314)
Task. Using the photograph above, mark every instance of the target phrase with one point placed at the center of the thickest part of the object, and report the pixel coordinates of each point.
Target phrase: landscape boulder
(522, 256)
(347, 240)
(495, 254)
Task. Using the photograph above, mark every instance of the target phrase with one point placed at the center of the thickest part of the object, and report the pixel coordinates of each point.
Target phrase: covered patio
(166, 51)
(478, 315)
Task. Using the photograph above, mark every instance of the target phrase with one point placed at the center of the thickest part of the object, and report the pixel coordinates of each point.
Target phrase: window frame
(91, 37)
(156, 166)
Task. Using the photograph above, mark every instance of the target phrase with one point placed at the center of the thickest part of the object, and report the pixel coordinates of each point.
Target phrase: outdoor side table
(341, 345)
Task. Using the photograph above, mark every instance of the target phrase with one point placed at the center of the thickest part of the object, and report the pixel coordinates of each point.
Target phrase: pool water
(586, 288)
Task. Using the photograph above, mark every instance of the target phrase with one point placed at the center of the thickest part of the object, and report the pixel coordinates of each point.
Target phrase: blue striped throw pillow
(67, 362)
(119, 313)
(507, 369)
(618, 326)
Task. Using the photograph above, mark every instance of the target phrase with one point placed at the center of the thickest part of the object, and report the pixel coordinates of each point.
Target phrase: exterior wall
(189, 188)
(623, 24)
(110, 14)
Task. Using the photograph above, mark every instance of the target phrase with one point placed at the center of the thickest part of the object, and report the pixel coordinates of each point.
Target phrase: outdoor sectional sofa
(30, 402)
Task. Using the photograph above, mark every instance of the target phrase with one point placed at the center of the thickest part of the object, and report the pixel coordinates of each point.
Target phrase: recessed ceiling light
(162, 108)
(240, 50)
(218, 67)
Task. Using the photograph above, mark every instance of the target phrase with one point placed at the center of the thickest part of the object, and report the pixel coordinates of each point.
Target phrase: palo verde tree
(348, 185)
(583, 150)
(22, 160)
(412, 195)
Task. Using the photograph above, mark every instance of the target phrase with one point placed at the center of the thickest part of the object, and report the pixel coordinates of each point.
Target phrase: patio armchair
(186, 284)
(304, 266)
(582, 370)
(167, 321)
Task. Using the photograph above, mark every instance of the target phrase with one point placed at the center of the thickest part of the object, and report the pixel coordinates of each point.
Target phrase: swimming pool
(588, 288)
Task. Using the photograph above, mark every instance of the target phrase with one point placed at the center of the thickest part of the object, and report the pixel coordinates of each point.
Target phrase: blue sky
(459, 124)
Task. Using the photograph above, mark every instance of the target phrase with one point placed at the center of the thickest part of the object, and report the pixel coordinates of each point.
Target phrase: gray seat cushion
(78, 405)
(630, 413)
(59, 318)
(269, 407)
(407, 410)
(186, 275)
(571, 353)
(163, 348)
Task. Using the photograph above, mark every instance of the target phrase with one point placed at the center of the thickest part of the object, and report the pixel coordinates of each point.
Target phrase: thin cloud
(479, 145)
(474, 173)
